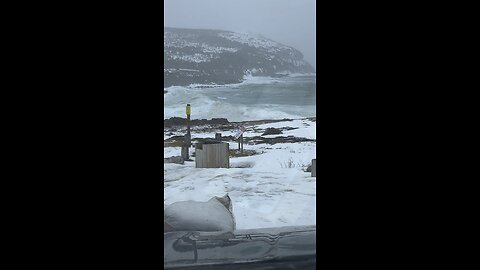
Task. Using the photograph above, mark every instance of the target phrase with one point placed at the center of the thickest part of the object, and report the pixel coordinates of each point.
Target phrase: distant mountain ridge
(198, 56)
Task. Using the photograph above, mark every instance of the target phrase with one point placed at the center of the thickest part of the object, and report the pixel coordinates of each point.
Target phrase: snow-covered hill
(194, 56)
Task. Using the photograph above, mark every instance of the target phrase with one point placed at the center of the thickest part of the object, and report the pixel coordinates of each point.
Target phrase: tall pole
(241, 143)
(188, 138)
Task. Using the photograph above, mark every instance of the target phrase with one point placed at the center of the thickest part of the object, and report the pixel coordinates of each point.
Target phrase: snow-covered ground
(270, 189)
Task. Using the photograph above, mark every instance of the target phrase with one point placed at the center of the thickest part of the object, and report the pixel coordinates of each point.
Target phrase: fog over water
(290, 22)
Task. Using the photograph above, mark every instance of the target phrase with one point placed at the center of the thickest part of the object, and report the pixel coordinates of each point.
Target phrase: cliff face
(193, 56)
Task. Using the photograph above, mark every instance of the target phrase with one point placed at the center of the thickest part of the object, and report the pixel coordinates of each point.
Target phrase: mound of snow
(213, 215)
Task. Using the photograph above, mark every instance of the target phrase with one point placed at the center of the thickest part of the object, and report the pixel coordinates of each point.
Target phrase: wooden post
(239, 137)
(188, 137)
(241, 143)
(314, 167)
(184, 152)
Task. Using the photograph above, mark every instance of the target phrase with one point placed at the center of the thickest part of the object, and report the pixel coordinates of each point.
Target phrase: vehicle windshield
(239, 115)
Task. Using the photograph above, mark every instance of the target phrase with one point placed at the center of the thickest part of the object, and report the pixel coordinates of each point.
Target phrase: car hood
(183, 248)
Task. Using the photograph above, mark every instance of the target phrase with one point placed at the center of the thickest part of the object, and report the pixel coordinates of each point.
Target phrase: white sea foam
(301, 74)
(247, 79)
(203, 107)
(216, 103)
(290, 74)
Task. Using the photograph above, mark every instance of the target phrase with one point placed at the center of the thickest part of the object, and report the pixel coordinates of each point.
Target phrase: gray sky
(290, 22)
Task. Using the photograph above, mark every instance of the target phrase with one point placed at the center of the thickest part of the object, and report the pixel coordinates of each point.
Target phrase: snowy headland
(202, 56)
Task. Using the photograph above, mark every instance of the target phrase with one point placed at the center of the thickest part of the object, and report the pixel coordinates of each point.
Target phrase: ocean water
(256, 98)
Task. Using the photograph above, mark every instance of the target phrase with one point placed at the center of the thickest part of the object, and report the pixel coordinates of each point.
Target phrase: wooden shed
(212, 154)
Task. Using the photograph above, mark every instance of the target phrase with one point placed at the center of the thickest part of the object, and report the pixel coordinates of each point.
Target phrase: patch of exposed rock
(272, 131)
(179, 121)
(176, 159)
(288, 139)
(309, 168)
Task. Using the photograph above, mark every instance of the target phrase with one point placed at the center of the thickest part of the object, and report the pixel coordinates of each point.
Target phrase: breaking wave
(254, 99)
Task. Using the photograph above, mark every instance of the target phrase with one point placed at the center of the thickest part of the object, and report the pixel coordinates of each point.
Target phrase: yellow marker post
(188, 109)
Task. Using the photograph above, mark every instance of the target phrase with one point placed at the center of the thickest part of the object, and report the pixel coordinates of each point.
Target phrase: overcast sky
(290, 22)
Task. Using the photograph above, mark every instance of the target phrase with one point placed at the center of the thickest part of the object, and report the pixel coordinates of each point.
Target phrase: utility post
(188, 138)
(241, 143)
(239, 137)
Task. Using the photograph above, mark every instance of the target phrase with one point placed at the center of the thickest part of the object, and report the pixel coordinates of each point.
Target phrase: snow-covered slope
(219, 57)
(269, 189)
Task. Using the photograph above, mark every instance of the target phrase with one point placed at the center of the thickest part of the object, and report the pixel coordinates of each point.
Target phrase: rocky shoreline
(180, 121)
(177, 125)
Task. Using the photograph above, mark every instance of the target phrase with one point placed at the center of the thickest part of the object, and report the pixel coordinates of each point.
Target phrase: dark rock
(272, 141)
(309, 168)
(218, 121)
(175, 121)
(178, 138)
(265, 121)
(176, 159)
(178, 121)
(272, 131)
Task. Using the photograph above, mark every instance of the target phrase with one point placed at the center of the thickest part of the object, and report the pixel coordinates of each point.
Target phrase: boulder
(309, 168)
(176, 159)
(272, 131)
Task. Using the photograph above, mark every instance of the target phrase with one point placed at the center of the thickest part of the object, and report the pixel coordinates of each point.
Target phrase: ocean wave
(293, 75)
(229, 101)
(210, 110)
(247, 79)
(206, 107)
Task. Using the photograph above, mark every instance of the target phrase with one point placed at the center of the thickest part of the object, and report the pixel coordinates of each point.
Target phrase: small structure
(212, 154)
(218, 137)
(239, 136)
(240, 143)
(314, 167)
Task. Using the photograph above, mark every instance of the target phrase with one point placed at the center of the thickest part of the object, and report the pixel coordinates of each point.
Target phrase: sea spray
(256, 98)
